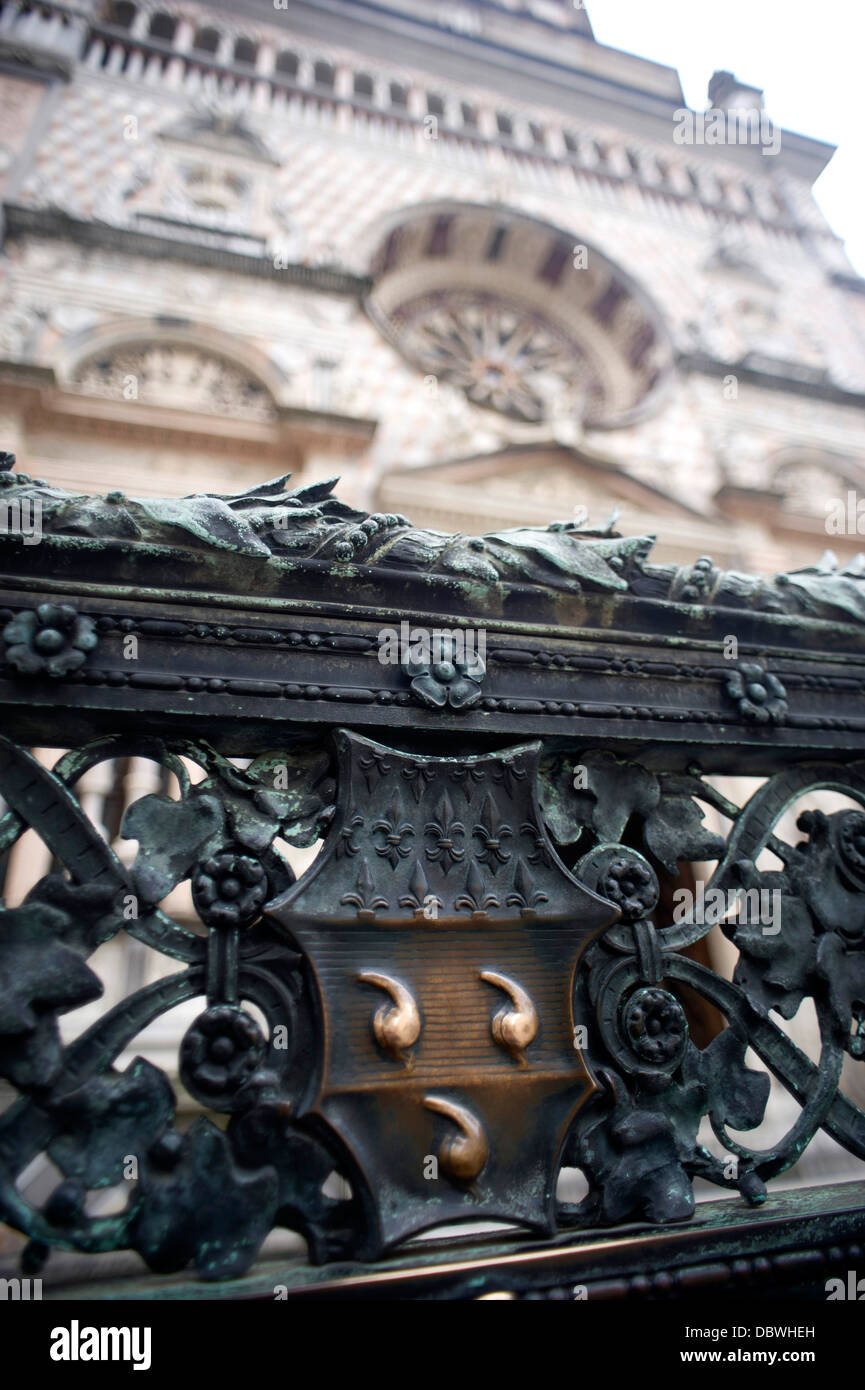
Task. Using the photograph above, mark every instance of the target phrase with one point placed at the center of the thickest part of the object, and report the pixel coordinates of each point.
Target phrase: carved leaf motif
(774, 970)
(844, 972)
(207, 518)
(819, 589)
(172, 836)
(736, 1094)
(599, 792)
(45, 803)
(108, 1119)
(42, 975)
(633, 1161)
(264, 1137)
(674, 830)
(293, 791)
(615, 790)
(208, 1209)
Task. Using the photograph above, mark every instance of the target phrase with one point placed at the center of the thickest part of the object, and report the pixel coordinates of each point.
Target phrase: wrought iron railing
(506, 746)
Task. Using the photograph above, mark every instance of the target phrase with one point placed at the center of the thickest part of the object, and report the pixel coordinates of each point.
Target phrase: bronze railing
(506, 746)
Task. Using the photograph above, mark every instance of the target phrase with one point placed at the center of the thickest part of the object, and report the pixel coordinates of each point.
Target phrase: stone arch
(446, 276)
(173, 366)
(805, 477)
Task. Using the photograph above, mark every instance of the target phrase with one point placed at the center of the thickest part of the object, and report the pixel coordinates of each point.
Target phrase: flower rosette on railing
(445, 673)
(52, 640)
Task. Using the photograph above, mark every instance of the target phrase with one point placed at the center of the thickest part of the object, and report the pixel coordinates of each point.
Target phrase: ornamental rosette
(228, 889)
(449, 673)
(758, 695)
(219, 1054)
(52, 640)
(632, 886)
(655, 1025)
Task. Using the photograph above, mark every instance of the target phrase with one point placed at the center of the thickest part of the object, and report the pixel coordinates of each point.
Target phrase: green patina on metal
(480, 979)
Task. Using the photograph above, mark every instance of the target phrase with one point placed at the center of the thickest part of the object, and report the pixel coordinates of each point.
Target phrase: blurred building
(486, 269)
(459, 253)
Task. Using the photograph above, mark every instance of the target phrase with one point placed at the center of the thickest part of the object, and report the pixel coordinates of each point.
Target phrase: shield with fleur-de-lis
(442, 933)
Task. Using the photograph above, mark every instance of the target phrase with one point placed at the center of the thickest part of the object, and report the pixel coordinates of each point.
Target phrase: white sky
(807, 57)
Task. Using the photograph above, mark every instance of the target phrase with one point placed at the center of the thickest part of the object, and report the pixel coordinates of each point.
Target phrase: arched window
(322, 74)
(206, 40)
(363, 85)
(162, 26)
(537, 134)
(245, 52)
(435, 104)
(572, 144)
(398, 94)
(469, 115)
(504, 123)
(287, 64)
(122, 14)
(175, 374)
(546, 352)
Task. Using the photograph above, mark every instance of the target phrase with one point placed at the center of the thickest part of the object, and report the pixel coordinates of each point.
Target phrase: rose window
(501, 355)
(522, 317)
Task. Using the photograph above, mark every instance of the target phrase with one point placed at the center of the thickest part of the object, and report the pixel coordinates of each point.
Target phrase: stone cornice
(53, 222)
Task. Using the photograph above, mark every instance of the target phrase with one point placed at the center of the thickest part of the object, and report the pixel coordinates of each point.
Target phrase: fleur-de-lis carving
(419, 775)
(509, 774)
(476, 898)
(418, 888)
(491, 832)
(393, 830)
(373, 766)
(364, 897)
(445, 832)
(525, 896)
(465, 775)
(345, 844)
(541, 851)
